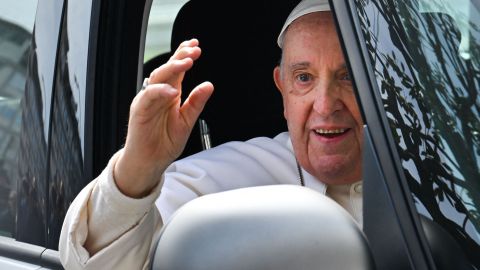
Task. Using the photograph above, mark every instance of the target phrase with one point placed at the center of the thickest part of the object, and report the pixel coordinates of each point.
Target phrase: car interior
(245, 103)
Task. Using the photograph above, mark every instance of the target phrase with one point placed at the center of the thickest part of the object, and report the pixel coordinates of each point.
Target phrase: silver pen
(204, 134)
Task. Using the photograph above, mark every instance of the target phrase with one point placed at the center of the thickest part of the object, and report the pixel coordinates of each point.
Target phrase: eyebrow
(301, 65)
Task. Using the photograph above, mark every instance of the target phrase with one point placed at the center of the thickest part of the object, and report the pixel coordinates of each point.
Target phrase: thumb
(194, 104)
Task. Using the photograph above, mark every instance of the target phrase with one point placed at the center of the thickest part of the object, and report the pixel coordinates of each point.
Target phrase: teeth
(330, 131)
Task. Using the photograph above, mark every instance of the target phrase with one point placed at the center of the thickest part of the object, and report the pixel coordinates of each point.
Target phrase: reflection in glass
(14, 47)
(425, 56)
(32, 160)
(65, 172)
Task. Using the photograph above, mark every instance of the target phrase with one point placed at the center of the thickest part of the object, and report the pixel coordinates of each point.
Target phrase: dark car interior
(245, 103)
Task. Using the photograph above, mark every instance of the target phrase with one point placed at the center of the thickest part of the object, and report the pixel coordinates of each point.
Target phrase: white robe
(122, 231)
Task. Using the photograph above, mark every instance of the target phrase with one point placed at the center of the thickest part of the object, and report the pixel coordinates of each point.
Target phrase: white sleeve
(104, 229)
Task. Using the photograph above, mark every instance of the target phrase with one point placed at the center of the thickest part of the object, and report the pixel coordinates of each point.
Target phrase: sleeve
(102, 223)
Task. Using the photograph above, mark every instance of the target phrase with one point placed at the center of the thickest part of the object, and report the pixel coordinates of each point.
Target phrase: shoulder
(258, 161)
(263, 152)
(281, 139)
(254, 157)
(256, 148)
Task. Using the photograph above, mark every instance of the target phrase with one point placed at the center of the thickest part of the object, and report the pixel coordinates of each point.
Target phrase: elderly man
(113, 222)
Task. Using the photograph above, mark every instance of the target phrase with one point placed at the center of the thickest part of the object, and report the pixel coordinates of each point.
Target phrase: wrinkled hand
(159, 124)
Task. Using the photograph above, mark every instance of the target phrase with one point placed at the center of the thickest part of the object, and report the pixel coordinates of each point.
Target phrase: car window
(66, 155)
(426, 60)
(16, 26)
(36, 104)
(159, 29)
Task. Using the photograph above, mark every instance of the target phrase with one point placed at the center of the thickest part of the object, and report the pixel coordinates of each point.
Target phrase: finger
(194, 104)
(187, 43)
(171, 71)
(187, 52)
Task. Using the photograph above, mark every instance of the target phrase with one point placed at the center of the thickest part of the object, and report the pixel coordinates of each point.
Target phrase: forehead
(312, 41)
(322, 20)
(317, 26)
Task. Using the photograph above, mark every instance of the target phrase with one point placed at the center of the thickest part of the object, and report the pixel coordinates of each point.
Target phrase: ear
(280, 86)
(277, 78)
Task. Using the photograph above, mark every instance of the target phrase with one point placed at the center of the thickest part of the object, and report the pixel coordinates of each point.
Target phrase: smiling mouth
(331, 133)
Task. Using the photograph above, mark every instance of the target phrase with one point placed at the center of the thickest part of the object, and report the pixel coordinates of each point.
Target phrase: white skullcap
(303, 8)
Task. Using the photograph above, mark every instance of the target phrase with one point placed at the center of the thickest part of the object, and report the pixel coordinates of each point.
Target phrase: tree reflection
(430, 96)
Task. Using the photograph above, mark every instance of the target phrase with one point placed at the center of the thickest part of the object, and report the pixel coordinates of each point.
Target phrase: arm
(113, 221)
(104, 229)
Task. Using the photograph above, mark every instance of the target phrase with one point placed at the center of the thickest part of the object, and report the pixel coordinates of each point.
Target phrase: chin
(337, 171)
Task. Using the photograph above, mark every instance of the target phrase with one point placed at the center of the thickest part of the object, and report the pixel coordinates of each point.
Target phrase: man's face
(323, 118)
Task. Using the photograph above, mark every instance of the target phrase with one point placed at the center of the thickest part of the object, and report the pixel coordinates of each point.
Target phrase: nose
(327, 99)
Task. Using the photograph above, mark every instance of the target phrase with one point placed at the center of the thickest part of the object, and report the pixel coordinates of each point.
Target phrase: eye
(303, 82)
(345, 77)
(304, 77)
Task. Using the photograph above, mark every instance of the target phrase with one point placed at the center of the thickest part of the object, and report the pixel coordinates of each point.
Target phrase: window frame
(383, 169)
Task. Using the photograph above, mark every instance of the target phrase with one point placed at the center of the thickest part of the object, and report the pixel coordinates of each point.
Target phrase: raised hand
(159, 124)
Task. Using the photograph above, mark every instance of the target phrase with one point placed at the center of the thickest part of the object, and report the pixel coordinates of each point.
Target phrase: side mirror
(267, 227)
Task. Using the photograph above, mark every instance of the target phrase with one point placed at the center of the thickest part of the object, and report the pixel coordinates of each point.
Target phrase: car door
(415, 65)
(70, 117)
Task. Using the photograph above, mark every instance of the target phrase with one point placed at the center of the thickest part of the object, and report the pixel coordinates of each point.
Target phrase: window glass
(16, 25)
(426, 59)
(32, 182)
(160, 23)
(65, 172)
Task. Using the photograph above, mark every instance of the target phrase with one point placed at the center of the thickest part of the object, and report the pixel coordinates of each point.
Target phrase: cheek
(357, 117)
(351, 104)
(295, 112)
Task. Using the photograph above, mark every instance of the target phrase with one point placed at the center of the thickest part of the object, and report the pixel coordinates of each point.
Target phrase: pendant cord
(300, 174)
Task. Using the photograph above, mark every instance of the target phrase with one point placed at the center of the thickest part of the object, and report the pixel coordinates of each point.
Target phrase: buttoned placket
(356, 203)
